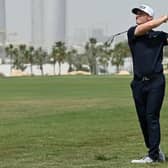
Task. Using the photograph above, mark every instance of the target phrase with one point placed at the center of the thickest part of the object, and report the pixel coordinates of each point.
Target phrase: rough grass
(71, 122)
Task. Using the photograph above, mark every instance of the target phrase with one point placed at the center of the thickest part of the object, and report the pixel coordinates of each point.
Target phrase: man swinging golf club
(148, 85)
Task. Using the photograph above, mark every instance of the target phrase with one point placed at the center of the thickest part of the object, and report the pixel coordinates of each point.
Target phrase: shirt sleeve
(130, 34)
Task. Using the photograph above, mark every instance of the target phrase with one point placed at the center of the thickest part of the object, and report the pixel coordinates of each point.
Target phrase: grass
(71, 122)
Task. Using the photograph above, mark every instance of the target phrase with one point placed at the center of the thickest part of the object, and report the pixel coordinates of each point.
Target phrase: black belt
(147, 77)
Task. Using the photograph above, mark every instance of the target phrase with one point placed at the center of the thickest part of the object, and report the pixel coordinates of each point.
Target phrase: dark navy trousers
(148, 96)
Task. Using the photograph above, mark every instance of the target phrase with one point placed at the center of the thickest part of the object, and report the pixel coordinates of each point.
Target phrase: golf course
(72, 122)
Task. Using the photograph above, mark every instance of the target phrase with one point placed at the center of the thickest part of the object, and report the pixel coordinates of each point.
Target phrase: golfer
(148, 85)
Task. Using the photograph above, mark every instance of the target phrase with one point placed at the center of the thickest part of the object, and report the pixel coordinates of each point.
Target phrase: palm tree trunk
(41, 69)
(54, 69)
(118, 68)
(31, 69)
(11, 64)
(59, 73)
(91, 69)
(70, 68)
(105, 69)
(94, 69)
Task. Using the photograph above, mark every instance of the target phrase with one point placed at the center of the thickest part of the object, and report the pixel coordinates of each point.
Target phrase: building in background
(2, 29)
(37, 25)
(48, 22)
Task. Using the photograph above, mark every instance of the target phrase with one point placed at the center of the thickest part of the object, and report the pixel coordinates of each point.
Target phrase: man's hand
(165, 18)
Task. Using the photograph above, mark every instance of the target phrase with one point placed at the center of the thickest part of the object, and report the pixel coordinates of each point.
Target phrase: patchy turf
(71, 122)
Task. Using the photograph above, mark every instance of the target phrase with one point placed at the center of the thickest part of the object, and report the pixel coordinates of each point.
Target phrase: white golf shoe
(146, 159)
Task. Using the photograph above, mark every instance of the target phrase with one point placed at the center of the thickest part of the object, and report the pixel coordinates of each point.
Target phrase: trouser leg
(153, 107)
(140, 104)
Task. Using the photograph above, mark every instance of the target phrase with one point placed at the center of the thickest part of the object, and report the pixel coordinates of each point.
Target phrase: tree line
(95, 56)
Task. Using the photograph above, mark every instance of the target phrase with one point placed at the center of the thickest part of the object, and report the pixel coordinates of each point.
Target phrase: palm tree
(53, 58)
(120, 52)
(22, 50)
(70, 58)
(58, 54)
(9, 52)
(91, 51)
(18, 60)
(40, 55)
(104, 57)
(21, 57)
(29, 54)
(80, 60)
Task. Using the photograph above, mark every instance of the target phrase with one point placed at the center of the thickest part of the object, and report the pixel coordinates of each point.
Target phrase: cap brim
(135, 10)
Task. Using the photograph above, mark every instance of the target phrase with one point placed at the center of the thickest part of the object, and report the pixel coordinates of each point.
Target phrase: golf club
(111, 39)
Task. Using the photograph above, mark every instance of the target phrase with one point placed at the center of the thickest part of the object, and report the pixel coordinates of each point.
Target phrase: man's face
(142, 17)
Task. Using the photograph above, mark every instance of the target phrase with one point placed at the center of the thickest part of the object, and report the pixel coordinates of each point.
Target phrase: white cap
(145, 8)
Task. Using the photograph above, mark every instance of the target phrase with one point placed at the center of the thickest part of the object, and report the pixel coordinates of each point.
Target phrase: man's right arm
(143, 28)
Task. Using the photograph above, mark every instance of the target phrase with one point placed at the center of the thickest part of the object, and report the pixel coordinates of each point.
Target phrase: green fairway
(72, 122)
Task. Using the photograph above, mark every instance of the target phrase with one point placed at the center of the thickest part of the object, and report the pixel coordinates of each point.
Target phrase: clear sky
(114, 15)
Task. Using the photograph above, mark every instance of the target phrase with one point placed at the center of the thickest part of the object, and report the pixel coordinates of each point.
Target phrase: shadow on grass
(166, 158)
(102, 157)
